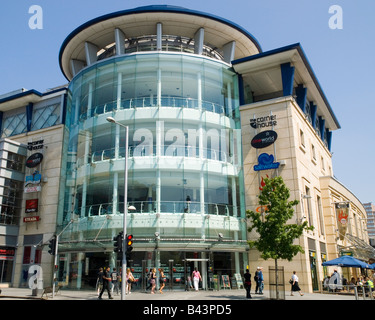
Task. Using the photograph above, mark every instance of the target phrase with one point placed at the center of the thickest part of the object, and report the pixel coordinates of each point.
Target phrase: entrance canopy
(347, 261)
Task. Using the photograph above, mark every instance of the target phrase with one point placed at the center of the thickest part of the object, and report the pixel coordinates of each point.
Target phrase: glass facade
(184, 165)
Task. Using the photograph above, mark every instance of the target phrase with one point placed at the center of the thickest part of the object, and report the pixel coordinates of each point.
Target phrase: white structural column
(120, 42)
(119, 90)
(159, 153)
(229, 50)
(234, 196)
(91, 53)
(198, 41)
(229, 97)
(87, 171)
(159, 35)
(76, 66)
(76, 110)
(199, 90)
(158, 88)
(89, 100)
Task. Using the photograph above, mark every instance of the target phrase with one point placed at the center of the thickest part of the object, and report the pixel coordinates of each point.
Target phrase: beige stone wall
(303, 165)
(48, 199)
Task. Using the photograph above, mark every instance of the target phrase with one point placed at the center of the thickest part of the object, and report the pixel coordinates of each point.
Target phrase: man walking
(106, 280)
(260, 280)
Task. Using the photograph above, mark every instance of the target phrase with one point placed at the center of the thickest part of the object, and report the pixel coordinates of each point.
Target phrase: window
(46, 117)
(313, 153)
(320, 213)
(302, 138)
(15, 162)
(14, 124)
(307, 196)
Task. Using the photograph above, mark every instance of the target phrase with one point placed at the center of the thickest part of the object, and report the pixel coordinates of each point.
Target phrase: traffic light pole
(124, 245)
(54, 267)
(124, 266)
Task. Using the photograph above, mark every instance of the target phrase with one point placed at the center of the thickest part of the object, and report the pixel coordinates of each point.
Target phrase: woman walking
(129, 280)
(295, 286)
(196, 278)
(153, 280)
(162, 280)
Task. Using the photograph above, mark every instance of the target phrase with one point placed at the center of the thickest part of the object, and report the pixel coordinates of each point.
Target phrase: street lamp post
(123, 272)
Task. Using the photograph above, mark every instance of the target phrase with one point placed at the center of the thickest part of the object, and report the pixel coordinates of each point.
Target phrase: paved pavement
(235, 294)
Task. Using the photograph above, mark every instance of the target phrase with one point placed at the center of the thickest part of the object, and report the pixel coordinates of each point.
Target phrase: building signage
(33, 189)
(263, 122)
(34, 160)
(35, 178)
(31, 219)
(7, 252)
(31, 206)
(264, 139)
(265, 162)
(35, 145)
(342, 214)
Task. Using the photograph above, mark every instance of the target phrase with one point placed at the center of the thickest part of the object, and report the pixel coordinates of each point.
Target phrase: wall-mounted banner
(31, 219)
(264, 139)
(33, 189)
(342, 214)
(35, 178)
(31, 206)
(265, 162)
(34, 160)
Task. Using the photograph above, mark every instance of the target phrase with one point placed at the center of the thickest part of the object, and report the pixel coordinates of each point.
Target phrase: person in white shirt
(294, 283)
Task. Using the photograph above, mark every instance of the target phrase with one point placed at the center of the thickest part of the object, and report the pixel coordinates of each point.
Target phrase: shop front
(218, 269)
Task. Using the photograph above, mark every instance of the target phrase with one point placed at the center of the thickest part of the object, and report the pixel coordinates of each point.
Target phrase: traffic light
(118, 242)
(52, 246)
(129, 244)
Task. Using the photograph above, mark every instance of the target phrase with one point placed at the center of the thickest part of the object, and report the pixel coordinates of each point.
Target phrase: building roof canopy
(263, 73)
(142, 21)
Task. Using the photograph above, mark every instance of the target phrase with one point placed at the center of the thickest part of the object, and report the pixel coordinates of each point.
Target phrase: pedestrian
(196, 278)
(115, 281)
(256, 280)
(129, 280)
(153, 280)
(247, 277)
(106, 281)
(295, 286)
(99, 281)
(162, 280)
(260, 280)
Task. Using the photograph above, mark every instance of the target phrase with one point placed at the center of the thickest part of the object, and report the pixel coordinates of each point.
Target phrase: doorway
(201, 265)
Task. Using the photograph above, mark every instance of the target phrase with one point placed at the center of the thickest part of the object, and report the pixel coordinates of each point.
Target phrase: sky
(339, 45)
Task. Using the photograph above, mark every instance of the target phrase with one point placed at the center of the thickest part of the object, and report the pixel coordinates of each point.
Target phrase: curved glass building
(164, 72)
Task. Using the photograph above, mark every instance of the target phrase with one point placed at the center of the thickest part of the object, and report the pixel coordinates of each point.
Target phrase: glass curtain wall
(184, 143)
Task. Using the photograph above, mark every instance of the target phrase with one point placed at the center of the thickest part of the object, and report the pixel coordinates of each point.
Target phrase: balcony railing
(164, 101)
(174, 207)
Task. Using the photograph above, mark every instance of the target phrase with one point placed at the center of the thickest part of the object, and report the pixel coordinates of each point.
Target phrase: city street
(222, 295)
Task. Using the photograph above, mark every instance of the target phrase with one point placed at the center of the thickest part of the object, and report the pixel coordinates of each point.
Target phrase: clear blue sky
(342, 59)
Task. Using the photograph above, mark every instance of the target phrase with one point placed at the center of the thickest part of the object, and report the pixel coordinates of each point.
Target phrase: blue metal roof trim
(154, 8)
(20, 95)
(298, 47)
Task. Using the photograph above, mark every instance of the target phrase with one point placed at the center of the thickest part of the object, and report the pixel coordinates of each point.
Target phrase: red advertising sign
(31, 219)
(31, 206)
